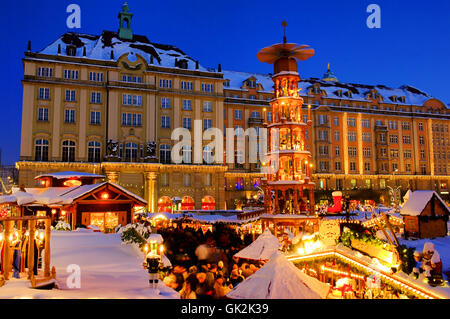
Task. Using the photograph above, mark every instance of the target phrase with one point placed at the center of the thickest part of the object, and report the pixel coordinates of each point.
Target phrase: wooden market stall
(23, 240)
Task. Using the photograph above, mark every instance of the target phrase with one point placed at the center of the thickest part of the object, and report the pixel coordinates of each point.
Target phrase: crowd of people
(203, 264)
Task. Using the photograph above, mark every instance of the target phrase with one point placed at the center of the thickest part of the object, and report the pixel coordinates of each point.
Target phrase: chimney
(29, 45)
(219, 69)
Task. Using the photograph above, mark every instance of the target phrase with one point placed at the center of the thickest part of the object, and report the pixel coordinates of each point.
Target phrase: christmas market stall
(71, 197)
(425, 215)
(262, 248)
(280, 279)
(25, 250)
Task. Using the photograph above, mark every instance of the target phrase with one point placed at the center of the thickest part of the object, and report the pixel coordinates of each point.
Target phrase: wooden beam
(47, 248)
(32, 231)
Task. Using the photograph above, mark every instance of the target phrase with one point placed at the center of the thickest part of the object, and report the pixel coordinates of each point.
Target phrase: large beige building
(97, 103)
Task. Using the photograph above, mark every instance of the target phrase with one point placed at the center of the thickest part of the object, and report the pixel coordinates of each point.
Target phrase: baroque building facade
(109, 103)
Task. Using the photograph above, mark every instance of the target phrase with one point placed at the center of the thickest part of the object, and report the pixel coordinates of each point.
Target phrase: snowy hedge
(134, 234)
(62, 225)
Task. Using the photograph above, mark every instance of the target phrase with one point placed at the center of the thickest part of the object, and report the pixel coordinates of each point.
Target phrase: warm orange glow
(42, 182)
(53, 211)
(72, 182)
(63, 213)
(105, 195)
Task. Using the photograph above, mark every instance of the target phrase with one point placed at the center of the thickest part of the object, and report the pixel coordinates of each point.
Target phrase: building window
(164, 153)
(131, 152)
(207, 155)
(406, 126)
(207, 106)
(367, 152)
(132, 79)
(70, 74)
(352, 152)
(238, 114)
(187, 179)
(41, 150)
(366, 137)
(324, 166)
(95, 76)
(323, 135)
(165, 103)
(367, 167)
(337, 166)
(186, 154)
(394, 167)
(336, 121)
(43, 114)
(187, 105)
(323, 119)
(186, 85)
(207, 124)
(392, 125)
(393, 139)
(336, 136)
(365, 123)
(352, 166)
(187, 123)
(423, 169)
(353, 183)
(255, 115)
(45, 72)
(165, 121)
(323, 150)
(394, 153)
(132, 100)
(408, 167)
(94, 152)
(406, 139)
(421, 140)
(164, 83)
(351, 122)
(69, 116)
(382, 183)
(70, 95)
(407, 154)
(420, 126)
(368, 184)
(44, 93)
(337, 151)
(95, 117)
(422, 154)
(96, 97)
(68, 151)
(165, 179)
(131, 119)
(352, 136)
(207, 87)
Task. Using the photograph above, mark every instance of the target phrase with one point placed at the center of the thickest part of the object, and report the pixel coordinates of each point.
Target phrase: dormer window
(339, 93)
(71, 50)
(348, 94)
(226, 83)
(251, 84)
(394, 98)
(402, 99)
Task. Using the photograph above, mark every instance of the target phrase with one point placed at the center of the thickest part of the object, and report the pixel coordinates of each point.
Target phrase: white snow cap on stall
(280, 279)
(262, 248)
(417, 202)
(69, 174)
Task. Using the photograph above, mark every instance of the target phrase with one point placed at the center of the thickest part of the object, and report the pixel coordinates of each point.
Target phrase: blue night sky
(412, 47)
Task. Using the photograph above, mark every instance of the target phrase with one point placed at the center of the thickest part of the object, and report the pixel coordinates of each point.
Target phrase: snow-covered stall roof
(280, 279)
(58, 195)
(70, 174)
(262, 248)
(417, 201)
(99, 47)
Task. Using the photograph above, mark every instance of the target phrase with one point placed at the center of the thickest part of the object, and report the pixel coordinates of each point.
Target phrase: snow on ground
(441, 244)
(109, 269)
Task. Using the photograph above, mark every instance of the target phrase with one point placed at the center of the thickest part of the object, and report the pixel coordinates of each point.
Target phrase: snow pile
(107, 270)
(279, 279)
(262, 248)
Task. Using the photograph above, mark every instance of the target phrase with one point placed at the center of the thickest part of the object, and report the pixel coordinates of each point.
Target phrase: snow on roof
(262, 248)
(280, 279)
(237, 80)
(99, 47)
(69, 174)
(359, 92)
(59, 195)
(417, 202)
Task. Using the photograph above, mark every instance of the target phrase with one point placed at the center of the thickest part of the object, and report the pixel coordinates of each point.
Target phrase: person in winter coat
(220, 290)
